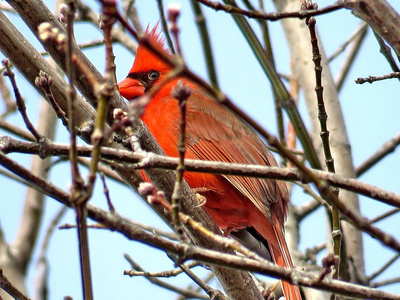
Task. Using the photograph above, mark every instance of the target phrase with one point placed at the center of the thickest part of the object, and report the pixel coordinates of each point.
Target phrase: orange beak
(131, 88)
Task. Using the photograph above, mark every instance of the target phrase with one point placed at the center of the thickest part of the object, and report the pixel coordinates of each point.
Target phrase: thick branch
(382, 17)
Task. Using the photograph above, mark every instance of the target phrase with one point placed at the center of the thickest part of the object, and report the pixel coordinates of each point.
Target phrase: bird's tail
(280, 255)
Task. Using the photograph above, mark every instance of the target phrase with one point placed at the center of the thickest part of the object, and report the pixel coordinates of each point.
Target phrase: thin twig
(211, 292)
(42, 265)
(181, 93)
(187, 293)
(10, 105)
(360, 31)
(371, 79)
(169, 273)
(6, 126)
(132, 14)
(150, 229)
(6, 285)
(74, 226)
(272, 16)
(309, 207)
(107, 193)
(205, 43)
(268, 51)
(387, 148)
(351, 55)
(20, 102)
(16, 178)
(164, 26)
(385, 215)
(385, 282)
(66, 42)
(264, 29)
(87, 14)
(386, 52)
(384, 267)
(45, 82)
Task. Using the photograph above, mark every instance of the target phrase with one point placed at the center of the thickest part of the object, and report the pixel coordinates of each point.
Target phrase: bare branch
(150, 160)
(310, 206)
(10, 288)
(271, 16)
(163, 284)
(87, 14)
(211, 292)
(372, 79)
(169, 273)
(10, 105)
(380, 15)
(20, 102)
(352, 52)
(32, 214)
(384, 267)
(42, 266)
(16, 130)
(385, 282)
(16, 178)
(387, 148)
(385, 215)
(132, 14)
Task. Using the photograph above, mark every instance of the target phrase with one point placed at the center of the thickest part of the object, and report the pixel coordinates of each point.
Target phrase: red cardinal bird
(213, 133)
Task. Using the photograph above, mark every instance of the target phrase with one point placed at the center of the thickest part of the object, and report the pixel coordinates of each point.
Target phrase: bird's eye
(153, 75)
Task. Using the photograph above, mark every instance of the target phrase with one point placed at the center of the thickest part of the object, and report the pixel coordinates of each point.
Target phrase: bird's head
(147, 69)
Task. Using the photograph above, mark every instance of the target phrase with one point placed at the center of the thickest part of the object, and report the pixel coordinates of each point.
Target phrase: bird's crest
(146, 59)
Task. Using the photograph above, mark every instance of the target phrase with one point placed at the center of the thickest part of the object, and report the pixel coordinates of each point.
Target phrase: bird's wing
(215, 134)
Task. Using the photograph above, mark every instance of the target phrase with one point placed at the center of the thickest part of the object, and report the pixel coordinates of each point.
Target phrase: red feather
(213, 133)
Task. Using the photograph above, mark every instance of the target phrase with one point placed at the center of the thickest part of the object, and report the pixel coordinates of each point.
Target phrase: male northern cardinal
(214, 133)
